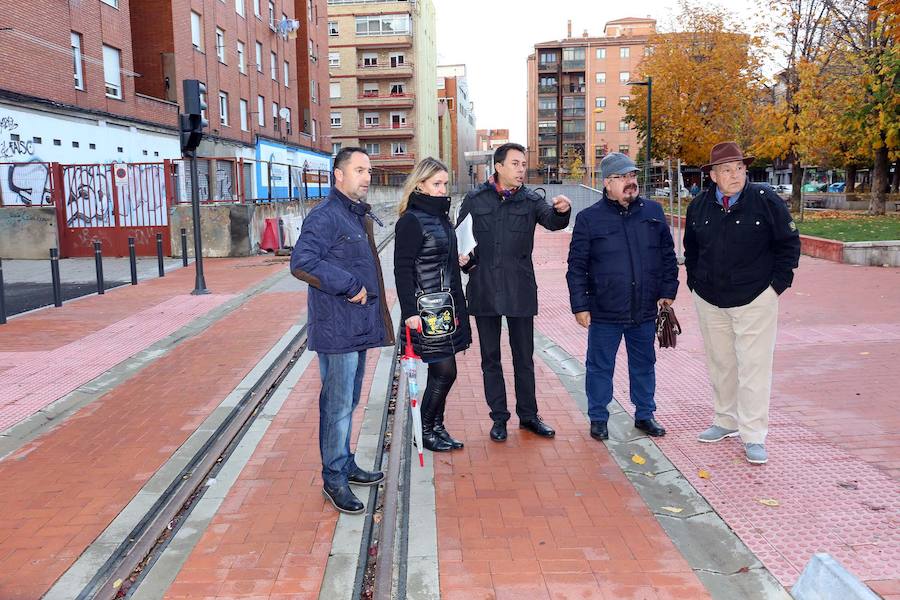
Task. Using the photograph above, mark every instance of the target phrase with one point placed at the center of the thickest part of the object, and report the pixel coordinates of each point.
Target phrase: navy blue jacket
(621, 261)
(336, 256)
(732, 257)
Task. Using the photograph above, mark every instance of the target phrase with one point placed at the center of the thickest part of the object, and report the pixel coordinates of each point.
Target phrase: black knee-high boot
(441, 431)
(430, 439)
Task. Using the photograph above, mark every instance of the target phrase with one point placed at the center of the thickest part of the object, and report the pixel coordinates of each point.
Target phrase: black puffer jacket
(424, 252)
(501, 274)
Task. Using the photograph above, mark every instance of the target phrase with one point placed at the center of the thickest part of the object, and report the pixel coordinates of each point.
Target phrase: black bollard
(132, 258)
(54, 273)
(184, 246)
(2, 297)
(98, 264)
(159, 255)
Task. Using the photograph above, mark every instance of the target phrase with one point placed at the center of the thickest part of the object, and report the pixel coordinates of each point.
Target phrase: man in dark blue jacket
(335, 254)
(622, 267)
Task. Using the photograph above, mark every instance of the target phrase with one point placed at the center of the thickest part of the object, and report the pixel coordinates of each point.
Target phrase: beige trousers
(740, 344)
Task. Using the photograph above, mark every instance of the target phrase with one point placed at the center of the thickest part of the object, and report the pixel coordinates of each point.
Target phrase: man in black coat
(741, 247)
(501, 281)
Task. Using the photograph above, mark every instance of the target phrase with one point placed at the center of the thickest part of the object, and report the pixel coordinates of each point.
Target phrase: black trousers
(521, 341)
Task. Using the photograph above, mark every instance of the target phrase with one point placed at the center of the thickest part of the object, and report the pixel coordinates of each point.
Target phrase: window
(397, 60)
(624, 52)
(374, 149)
(397, 89)
(244, 108)
(548, 58)
(382, 25)
(623, 125)
(600, 102)
(112, 71)
(239, 7)
(547, 152)
(309, 12)
(275, 115)
(336, 147)
(223, 108)
(256, 7)
(546, 103)
(398, 119)
(261, 111)
(311, 51)
(314, 91)
(600, 126)
(370, 59)
(370, 120)
(113, 3)
(78, 64)
(398, 148)
(601, 53)
(332, 28)
(259, 52)
(336, 120)
(623, 148)
(272, 15)
(334, 89)
(287, 74)
(273, 65)
(334, 59)
(370, 90)
(220, 45)
(624, 77)
(287, 119)
(242, 61)
(624, 99)
(196, 31)
(600, 77)
(315, 128)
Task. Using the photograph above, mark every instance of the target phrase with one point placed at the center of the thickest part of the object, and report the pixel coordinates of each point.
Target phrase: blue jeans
(603, 343)
(342, 376)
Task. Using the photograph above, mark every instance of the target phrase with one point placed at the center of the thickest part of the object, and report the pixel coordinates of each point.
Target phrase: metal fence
(26, 184)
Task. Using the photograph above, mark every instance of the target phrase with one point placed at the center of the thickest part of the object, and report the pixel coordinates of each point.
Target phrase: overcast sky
(494, 37)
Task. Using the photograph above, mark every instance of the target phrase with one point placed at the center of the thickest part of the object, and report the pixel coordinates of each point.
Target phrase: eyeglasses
(626, 177)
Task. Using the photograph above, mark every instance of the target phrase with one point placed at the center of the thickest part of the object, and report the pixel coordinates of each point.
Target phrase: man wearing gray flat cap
(622, 267)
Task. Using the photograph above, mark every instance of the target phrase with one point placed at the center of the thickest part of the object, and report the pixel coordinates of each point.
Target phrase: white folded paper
(465, 239)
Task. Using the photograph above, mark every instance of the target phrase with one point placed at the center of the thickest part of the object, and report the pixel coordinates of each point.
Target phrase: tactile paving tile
(29, 385)
(859, 526)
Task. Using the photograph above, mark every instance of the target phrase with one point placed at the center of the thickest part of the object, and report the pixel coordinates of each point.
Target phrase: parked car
(783, 188)
(837, 186)
(664, 192)
(814, 186)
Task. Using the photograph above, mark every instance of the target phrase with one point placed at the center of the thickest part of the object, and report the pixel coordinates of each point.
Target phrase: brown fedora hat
(726, 152)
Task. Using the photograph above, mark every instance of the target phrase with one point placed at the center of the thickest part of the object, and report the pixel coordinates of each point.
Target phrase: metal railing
(572, 65)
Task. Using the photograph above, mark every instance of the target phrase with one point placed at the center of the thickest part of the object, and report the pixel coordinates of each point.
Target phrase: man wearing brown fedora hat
(741, 247)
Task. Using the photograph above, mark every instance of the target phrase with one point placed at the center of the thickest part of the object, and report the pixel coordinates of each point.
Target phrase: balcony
(392, 159)
(573, 65)
(546, 113)
(384, 71)
(548, 161)
(569, 113)
(390, 130)
(548, 89)
(370, 100)
(574, 136)
(547, 138)
(551, 67)
(574, 88)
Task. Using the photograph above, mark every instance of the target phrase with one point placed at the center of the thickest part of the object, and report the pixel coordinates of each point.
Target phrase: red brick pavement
(535, 518)
(834, 418)
(63, 488)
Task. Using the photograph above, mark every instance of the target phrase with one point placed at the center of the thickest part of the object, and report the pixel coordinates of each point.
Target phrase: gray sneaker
(716, 434)
(756, 454)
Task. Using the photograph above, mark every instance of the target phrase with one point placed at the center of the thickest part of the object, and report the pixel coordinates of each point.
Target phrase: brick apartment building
(575, 89)
(453, 91)
(382, 60)
(100, 80)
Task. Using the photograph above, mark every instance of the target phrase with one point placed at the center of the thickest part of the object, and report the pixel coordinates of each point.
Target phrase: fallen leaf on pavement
(637, 458)
(704, 474)
(849, 485)
(650, 475)
(673, 509)
(769, 502)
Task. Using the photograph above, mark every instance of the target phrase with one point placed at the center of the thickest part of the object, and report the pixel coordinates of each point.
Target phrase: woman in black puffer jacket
(426, 261)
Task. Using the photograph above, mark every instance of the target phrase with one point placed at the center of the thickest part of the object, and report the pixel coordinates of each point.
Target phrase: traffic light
(192, 121)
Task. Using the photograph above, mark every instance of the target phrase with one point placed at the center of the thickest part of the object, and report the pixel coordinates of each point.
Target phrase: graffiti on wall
(88, 198)
(25, 183)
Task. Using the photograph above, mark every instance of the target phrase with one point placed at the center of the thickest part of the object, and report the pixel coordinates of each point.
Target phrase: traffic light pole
(199, 280)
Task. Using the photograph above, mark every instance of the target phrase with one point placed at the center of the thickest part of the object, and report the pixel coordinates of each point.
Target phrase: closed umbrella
(409, 363)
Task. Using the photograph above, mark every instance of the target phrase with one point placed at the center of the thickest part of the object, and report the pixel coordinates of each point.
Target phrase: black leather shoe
(599, 430)
(363, 477)
(344, 500)
(498, 431)
(650, 427)
(444, 435)
(537, 425)
(433, 442)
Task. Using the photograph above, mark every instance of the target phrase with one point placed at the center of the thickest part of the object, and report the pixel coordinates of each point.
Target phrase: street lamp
(592, 149)
(649, 84)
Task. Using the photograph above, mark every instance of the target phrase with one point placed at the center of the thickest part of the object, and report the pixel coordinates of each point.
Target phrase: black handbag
(437, 311)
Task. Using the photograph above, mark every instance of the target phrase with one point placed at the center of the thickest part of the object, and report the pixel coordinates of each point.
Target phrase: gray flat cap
(616, 163)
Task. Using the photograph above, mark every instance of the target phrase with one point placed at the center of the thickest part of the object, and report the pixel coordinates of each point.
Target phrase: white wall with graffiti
(29, 139)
